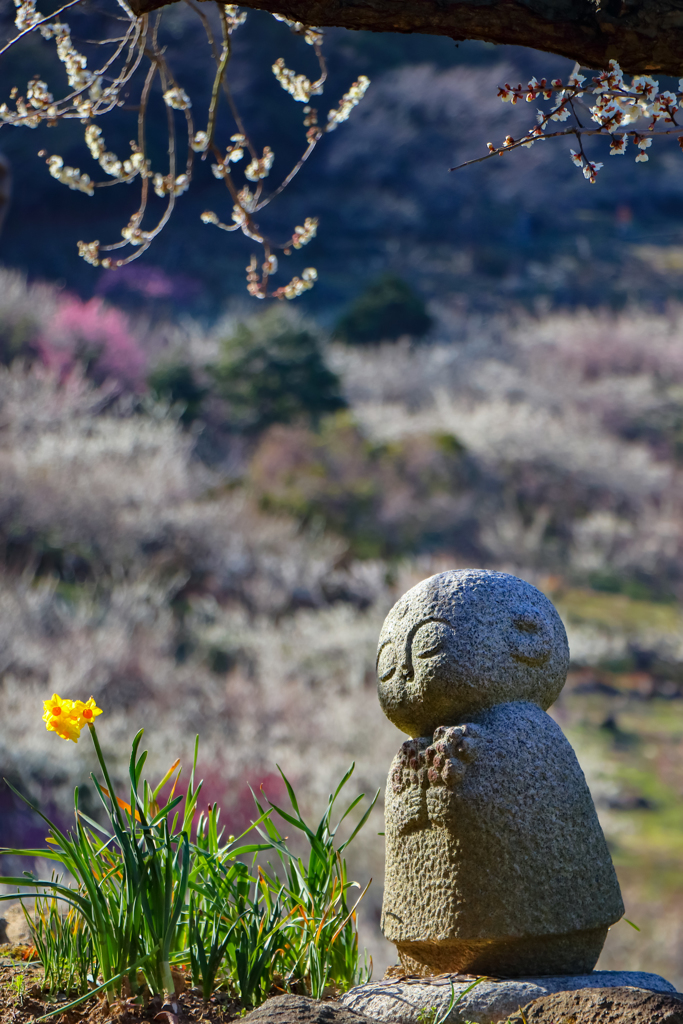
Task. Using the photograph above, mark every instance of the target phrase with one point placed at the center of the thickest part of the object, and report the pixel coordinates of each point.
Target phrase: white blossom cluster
(90, 252)
(348, 101)
(590, 169)
(124, 170)
(87, 99)
(260, 168)
(75, 63)
(270, 264)
(177, 98)
(166, 184)
(23, 116)
(298, 285)
(133, 233)
(200, 142)
(303, 233)
(257, 287)
(234, 17)
(27, 16)
(615, 105)
(298, 86)
(233, 153)
(38, 95)
(70, 176)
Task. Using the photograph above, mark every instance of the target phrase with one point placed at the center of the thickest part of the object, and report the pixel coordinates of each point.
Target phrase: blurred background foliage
(272, 370)
(386, 310)
(207, 508)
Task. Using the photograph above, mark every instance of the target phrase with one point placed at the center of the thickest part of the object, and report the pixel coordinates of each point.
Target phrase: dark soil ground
(22, 1000)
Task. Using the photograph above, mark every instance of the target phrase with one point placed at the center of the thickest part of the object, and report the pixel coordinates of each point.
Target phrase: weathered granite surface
(489, 1001)
(604, 1006)
(495, 860)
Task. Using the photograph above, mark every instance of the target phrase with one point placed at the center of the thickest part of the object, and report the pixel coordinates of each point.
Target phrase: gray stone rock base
(401, 1000)
(289, 1009)
(604, 1006)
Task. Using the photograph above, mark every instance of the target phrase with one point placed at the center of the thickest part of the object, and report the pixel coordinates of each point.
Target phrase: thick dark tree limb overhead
(643, 35)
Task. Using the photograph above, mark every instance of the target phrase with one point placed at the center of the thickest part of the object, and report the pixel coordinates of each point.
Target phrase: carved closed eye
(430, 639)
(526, 624)
(431, 650)
(531, 638)
(386, 662)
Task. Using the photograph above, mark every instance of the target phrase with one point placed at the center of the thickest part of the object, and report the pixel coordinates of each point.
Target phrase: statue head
(466, 640)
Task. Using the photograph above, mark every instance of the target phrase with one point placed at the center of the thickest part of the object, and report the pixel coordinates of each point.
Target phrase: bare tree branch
(643, 35)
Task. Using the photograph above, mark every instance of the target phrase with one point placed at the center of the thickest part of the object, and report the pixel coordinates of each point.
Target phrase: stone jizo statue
(495, 861)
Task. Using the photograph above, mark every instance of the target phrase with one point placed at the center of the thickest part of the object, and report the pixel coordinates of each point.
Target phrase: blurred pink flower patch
(98, 337)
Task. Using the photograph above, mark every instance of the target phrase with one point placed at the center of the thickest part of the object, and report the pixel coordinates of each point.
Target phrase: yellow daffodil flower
(58, 717)
(67, 717)
(86, 712)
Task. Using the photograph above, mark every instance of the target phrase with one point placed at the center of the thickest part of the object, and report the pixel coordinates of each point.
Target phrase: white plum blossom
(590, 171)
(70, 176)
(664, 107)
(298, 86)
(133, 233)
(233, 155)
(589, 168)
(200, 142)
(177, 98)
(90, 252)
(270, 265)
(642, 144)
(123, 170)
(298, 285)
(348, 101)
(75, 63)
(165, 185)
(303, 233)
(575, 80)
(609, 80)
(247, 199)
(645, 85)
(27, 16)
(616, 105)
(234, 17)
(561, 111)
(260, 168)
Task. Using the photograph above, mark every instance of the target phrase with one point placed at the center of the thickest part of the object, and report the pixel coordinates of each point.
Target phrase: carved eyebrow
(418, 625)
(423, 622)
(411, 633)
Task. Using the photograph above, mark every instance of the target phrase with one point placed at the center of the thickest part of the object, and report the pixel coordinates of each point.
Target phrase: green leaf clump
(158, 888)
(271, 369)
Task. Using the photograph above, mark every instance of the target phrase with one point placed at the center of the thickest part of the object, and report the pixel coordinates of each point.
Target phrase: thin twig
(565, 131)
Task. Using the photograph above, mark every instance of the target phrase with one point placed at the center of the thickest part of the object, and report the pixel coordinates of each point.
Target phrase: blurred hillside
(526, 230)
(207, 557)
